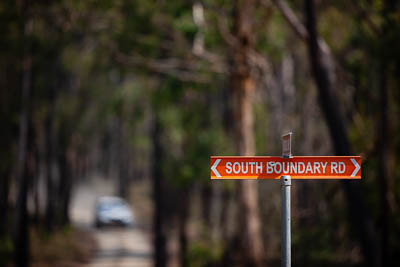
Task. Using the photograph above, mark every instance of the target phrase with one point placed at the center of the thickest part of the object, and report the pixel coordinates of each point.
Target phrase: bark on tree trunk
(206, 196)
(323, 74)
(383, 132)
(123, 181)
(4, 190)
(242, 92)
(49, 213)
(21, 235)
(32, 170)
(35, 191)
(65, 185)
(160, 237)
(183, 220)
(7, 110)
(226, 201)
(384, 166)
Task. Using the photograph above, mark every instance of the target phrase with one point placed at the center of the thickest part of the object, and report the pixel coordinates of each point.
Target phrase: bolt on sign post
(285, 168)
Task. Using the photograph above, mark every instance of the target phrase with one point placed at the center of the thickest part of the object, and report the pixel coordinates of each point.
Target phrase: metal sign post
(285, 168)
(286, 182)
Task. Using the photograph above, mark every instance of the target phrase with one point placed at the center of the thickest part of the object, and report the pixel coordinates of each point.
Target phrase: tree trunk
(383, 133)
(21, 234)
(206, 197)
(7, 111)
(49, 125)
(4, 190)
(323, 74)
(35, 195)
(383, 174)
(160, 236)
(182, 221)
(123, 173)
(32, 169)
(65, 186)
(242, 92)
(225, 221)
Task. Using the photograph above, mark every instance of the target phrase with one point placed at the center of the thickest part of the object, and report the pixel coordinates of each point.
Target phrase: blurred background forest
(142, 92)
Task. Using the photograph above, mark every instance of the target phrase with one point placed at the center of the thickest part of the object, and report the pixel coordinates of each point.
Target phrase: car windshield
(106, 205)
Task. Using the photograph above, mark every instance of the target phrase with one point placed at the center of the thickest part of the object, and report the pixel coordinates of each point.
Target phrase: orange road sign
(308, 167)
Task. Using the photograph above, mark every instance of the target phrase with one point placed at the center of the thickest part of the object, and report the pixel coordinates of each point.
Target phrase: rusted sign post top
(287, 145)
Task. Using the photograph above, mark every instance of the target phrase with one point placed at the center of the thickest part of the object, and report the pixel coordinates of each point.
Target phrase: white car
(112, 210)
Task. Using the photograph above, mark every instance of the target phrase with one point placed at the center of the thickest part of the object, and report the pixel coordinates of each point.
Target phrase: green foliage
(6, 249)
(186, 25)
(202, 254)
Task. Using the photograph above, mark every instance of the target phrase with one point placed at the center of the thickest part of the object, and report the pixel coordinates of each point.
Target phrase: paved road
(118, 247)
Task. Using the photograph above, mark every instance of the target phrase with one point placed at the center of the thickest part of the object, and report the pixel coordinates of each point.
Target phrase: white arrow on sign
(214, 167)
(357, 167)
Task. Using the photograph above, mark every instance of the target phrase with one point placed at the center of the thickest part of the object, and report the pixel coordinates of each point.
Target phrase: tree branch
(198, 48)
(301, 31)
(171, 66)
(290, 18)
